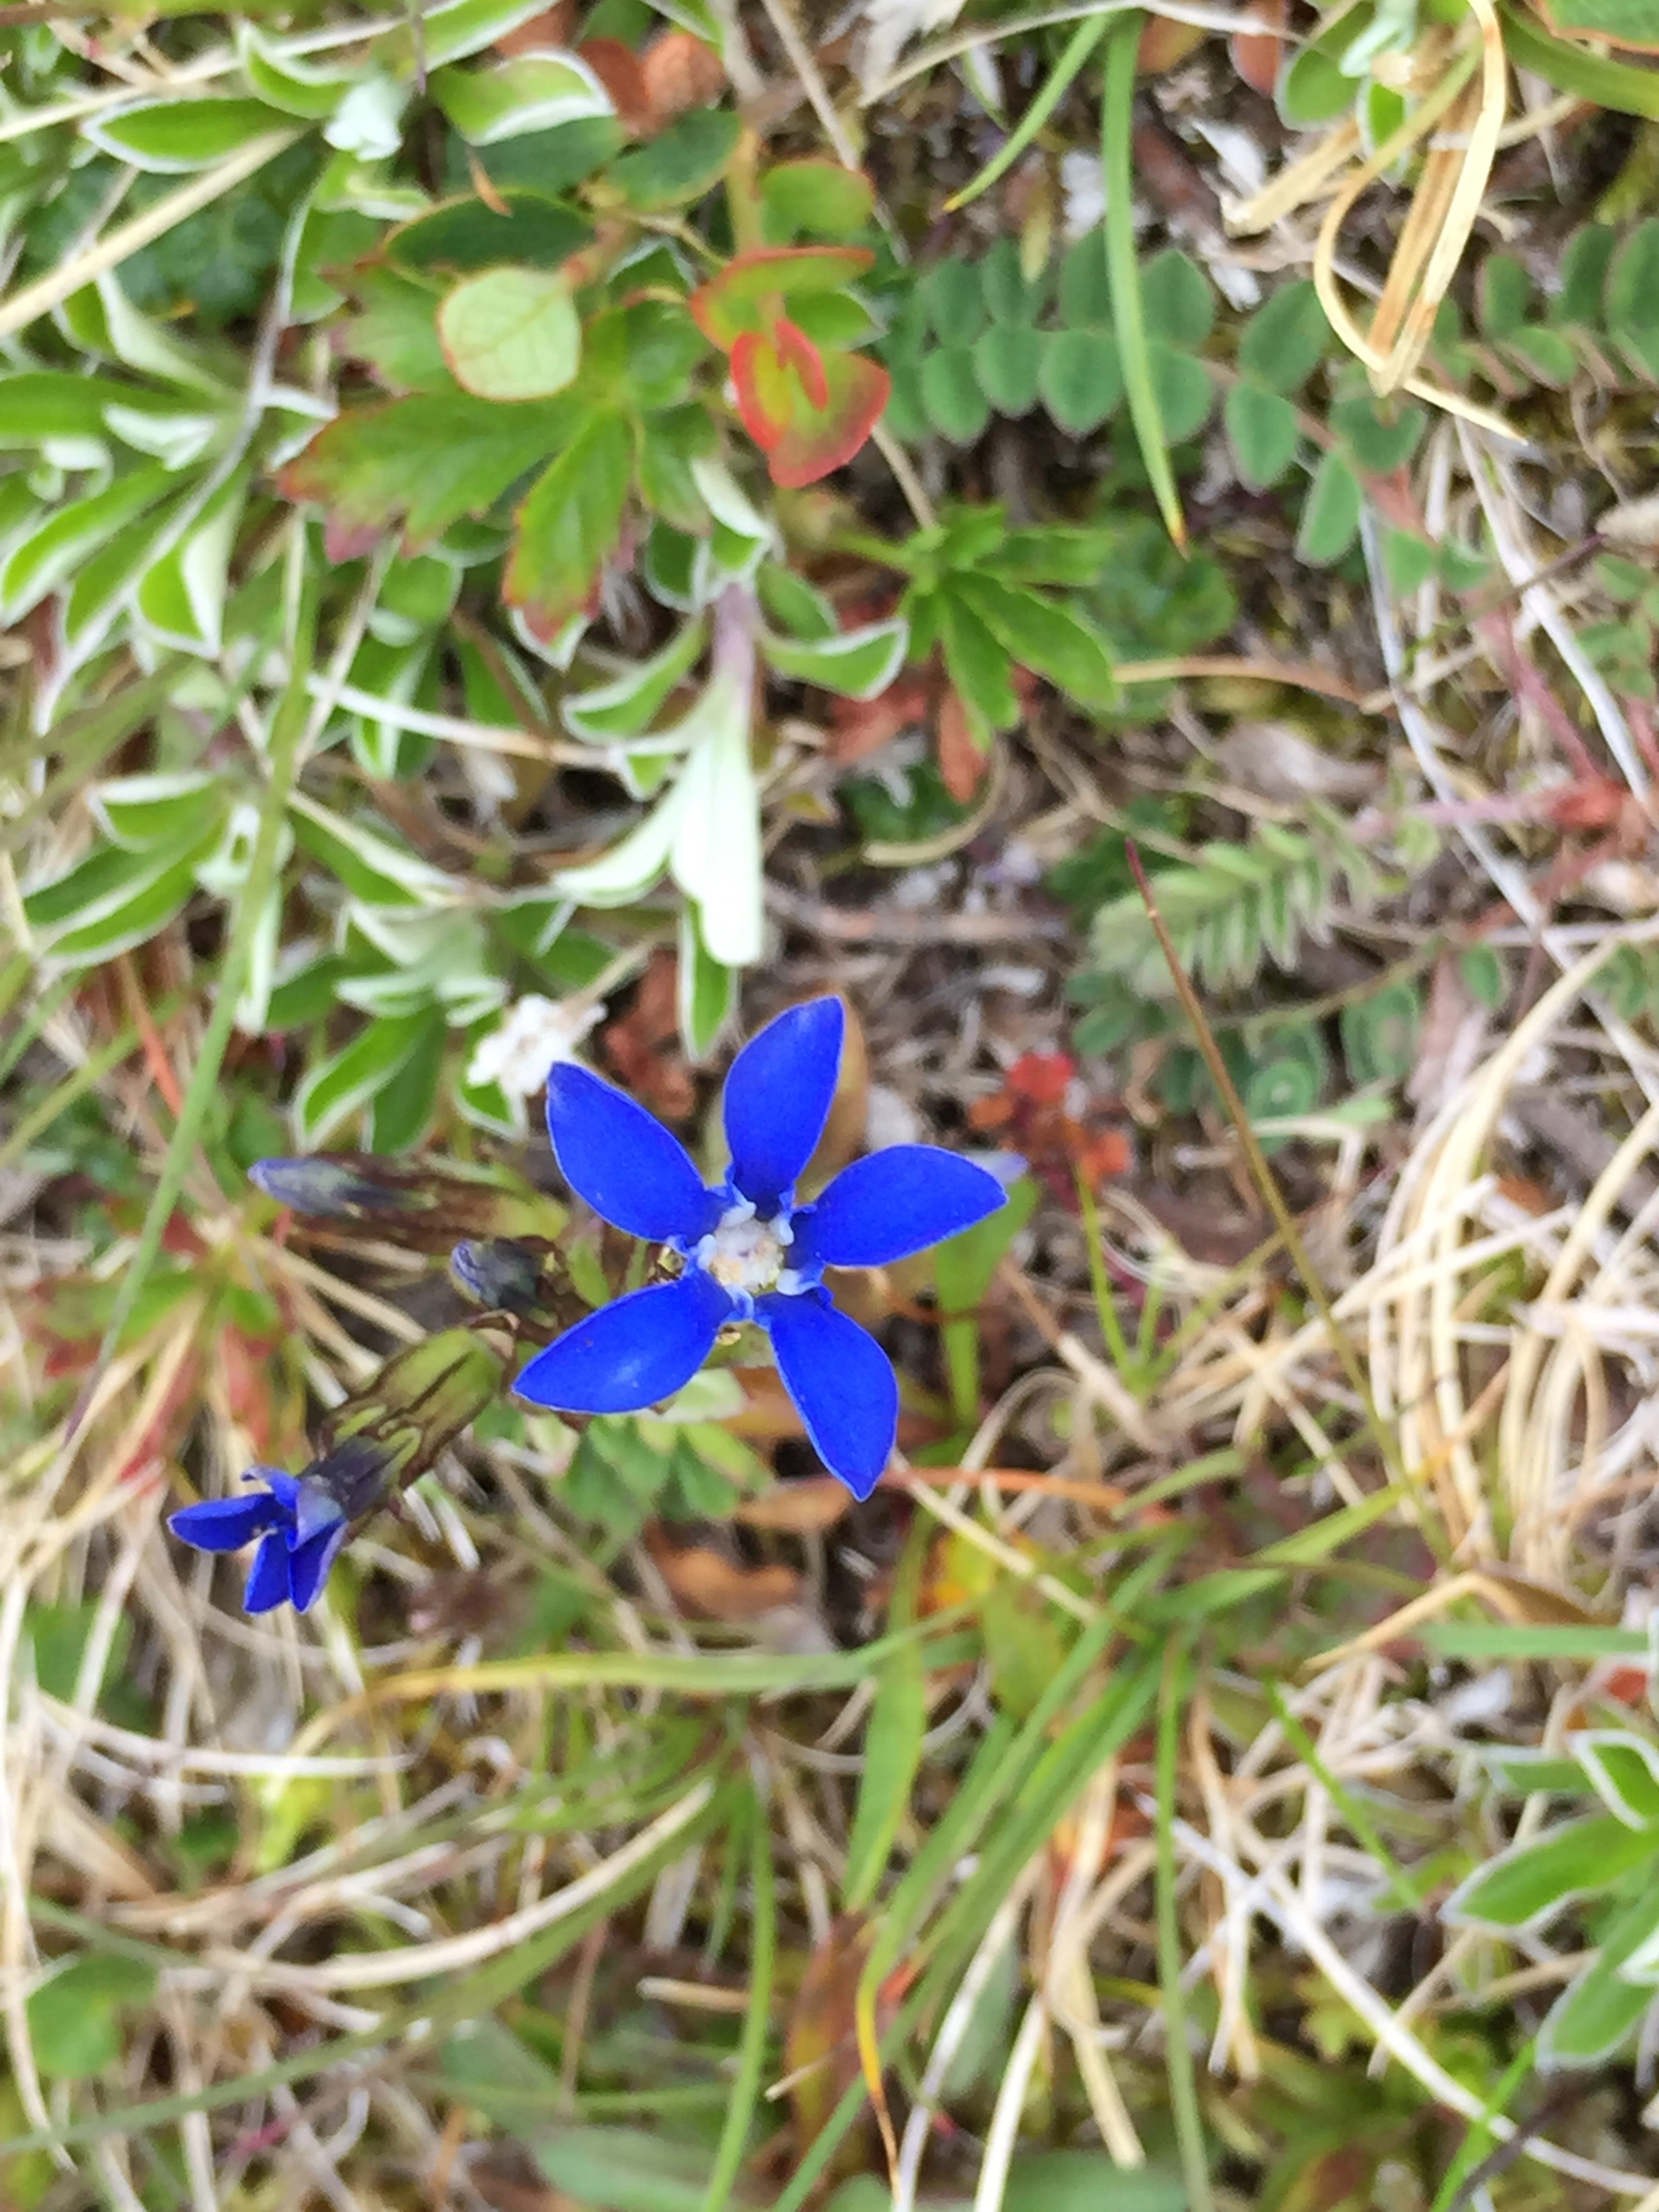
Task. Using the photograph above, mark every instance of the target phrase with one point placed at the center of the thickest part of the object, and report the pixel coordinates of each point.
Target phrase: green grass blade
(1184, 2077)
(751, 2046)
(1078, 47)
(1123, 270)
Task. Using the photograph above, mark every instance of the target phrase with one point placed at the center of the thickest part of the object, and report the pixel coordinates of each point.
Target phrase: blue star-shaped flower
(301, 1527)
(750, 1253)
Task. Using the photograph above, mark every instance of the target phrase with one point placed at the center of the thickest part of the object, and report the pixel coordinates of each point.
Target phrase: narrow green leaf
(1123, 270)
(1524, 1885)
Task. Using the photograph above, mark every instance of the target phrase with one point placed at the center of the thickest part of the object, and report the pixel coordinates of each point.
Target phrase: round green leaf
(1379, 1034)
(950, 394)
(512, 333)
(1286, 338)
(1263, 432)
(1007, 358)
(1330, 518)
(1178, 302)
(1081, 379)
(956, 306)
(1185, 394)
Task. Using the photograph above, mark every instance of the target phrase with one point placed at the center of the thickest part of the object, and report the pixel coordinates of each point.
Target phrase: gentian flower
(750, 1252)
(300, 1526)
(298, 1521)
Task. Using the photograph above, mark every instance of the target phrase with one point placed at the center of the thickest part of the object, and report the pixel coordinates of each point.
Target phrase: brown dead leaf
(769, 1414)
(858, 727)
(679, 72)
(552, 27)
(1274, 758)
(643, 1047)
(1164, 42)
(622, 76)
(961, 762)
(805, 1508)
(714, 1587)
(820, 2050)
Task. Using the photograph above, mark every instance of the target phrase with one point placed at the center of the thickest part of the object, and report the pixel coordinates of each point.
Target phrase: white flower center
(745, 1255)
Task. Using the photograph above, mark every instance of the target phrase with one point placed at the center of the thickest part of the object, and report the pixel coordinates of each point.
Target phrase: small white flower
(533, 1037)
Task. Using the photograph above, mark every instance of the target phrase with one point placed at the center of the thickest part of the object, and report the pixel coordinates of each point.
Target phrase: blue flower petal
(268, 1582)
(842, 1382)
(632, 1171)
(778, 1097)
(225, 1524)
(891, 1203)
(314, 1512)
(644, 1347)
(309, 1562)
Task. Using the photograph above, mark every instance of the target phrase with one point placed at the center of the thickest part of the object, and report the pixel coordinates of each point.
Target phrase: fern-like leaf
(1238, 905)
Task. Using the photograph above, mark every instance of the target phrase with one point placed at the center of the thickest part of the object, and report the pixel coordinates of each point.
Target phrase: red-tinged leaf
(569, 523)
(796, 348)
(746, 294)
(818, 440)
(424, 461)
(765, 388)
(962, 763)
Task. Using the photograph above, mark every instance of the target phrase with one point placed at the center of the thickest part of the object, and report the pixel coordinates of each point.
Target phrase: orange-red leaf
(796, 348)
(747, 293)
(820, 438)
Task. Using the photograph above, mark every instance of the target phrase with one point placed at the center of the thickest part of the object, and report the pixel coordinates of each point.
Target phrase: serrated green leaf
(470, 450)
(569, 523)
